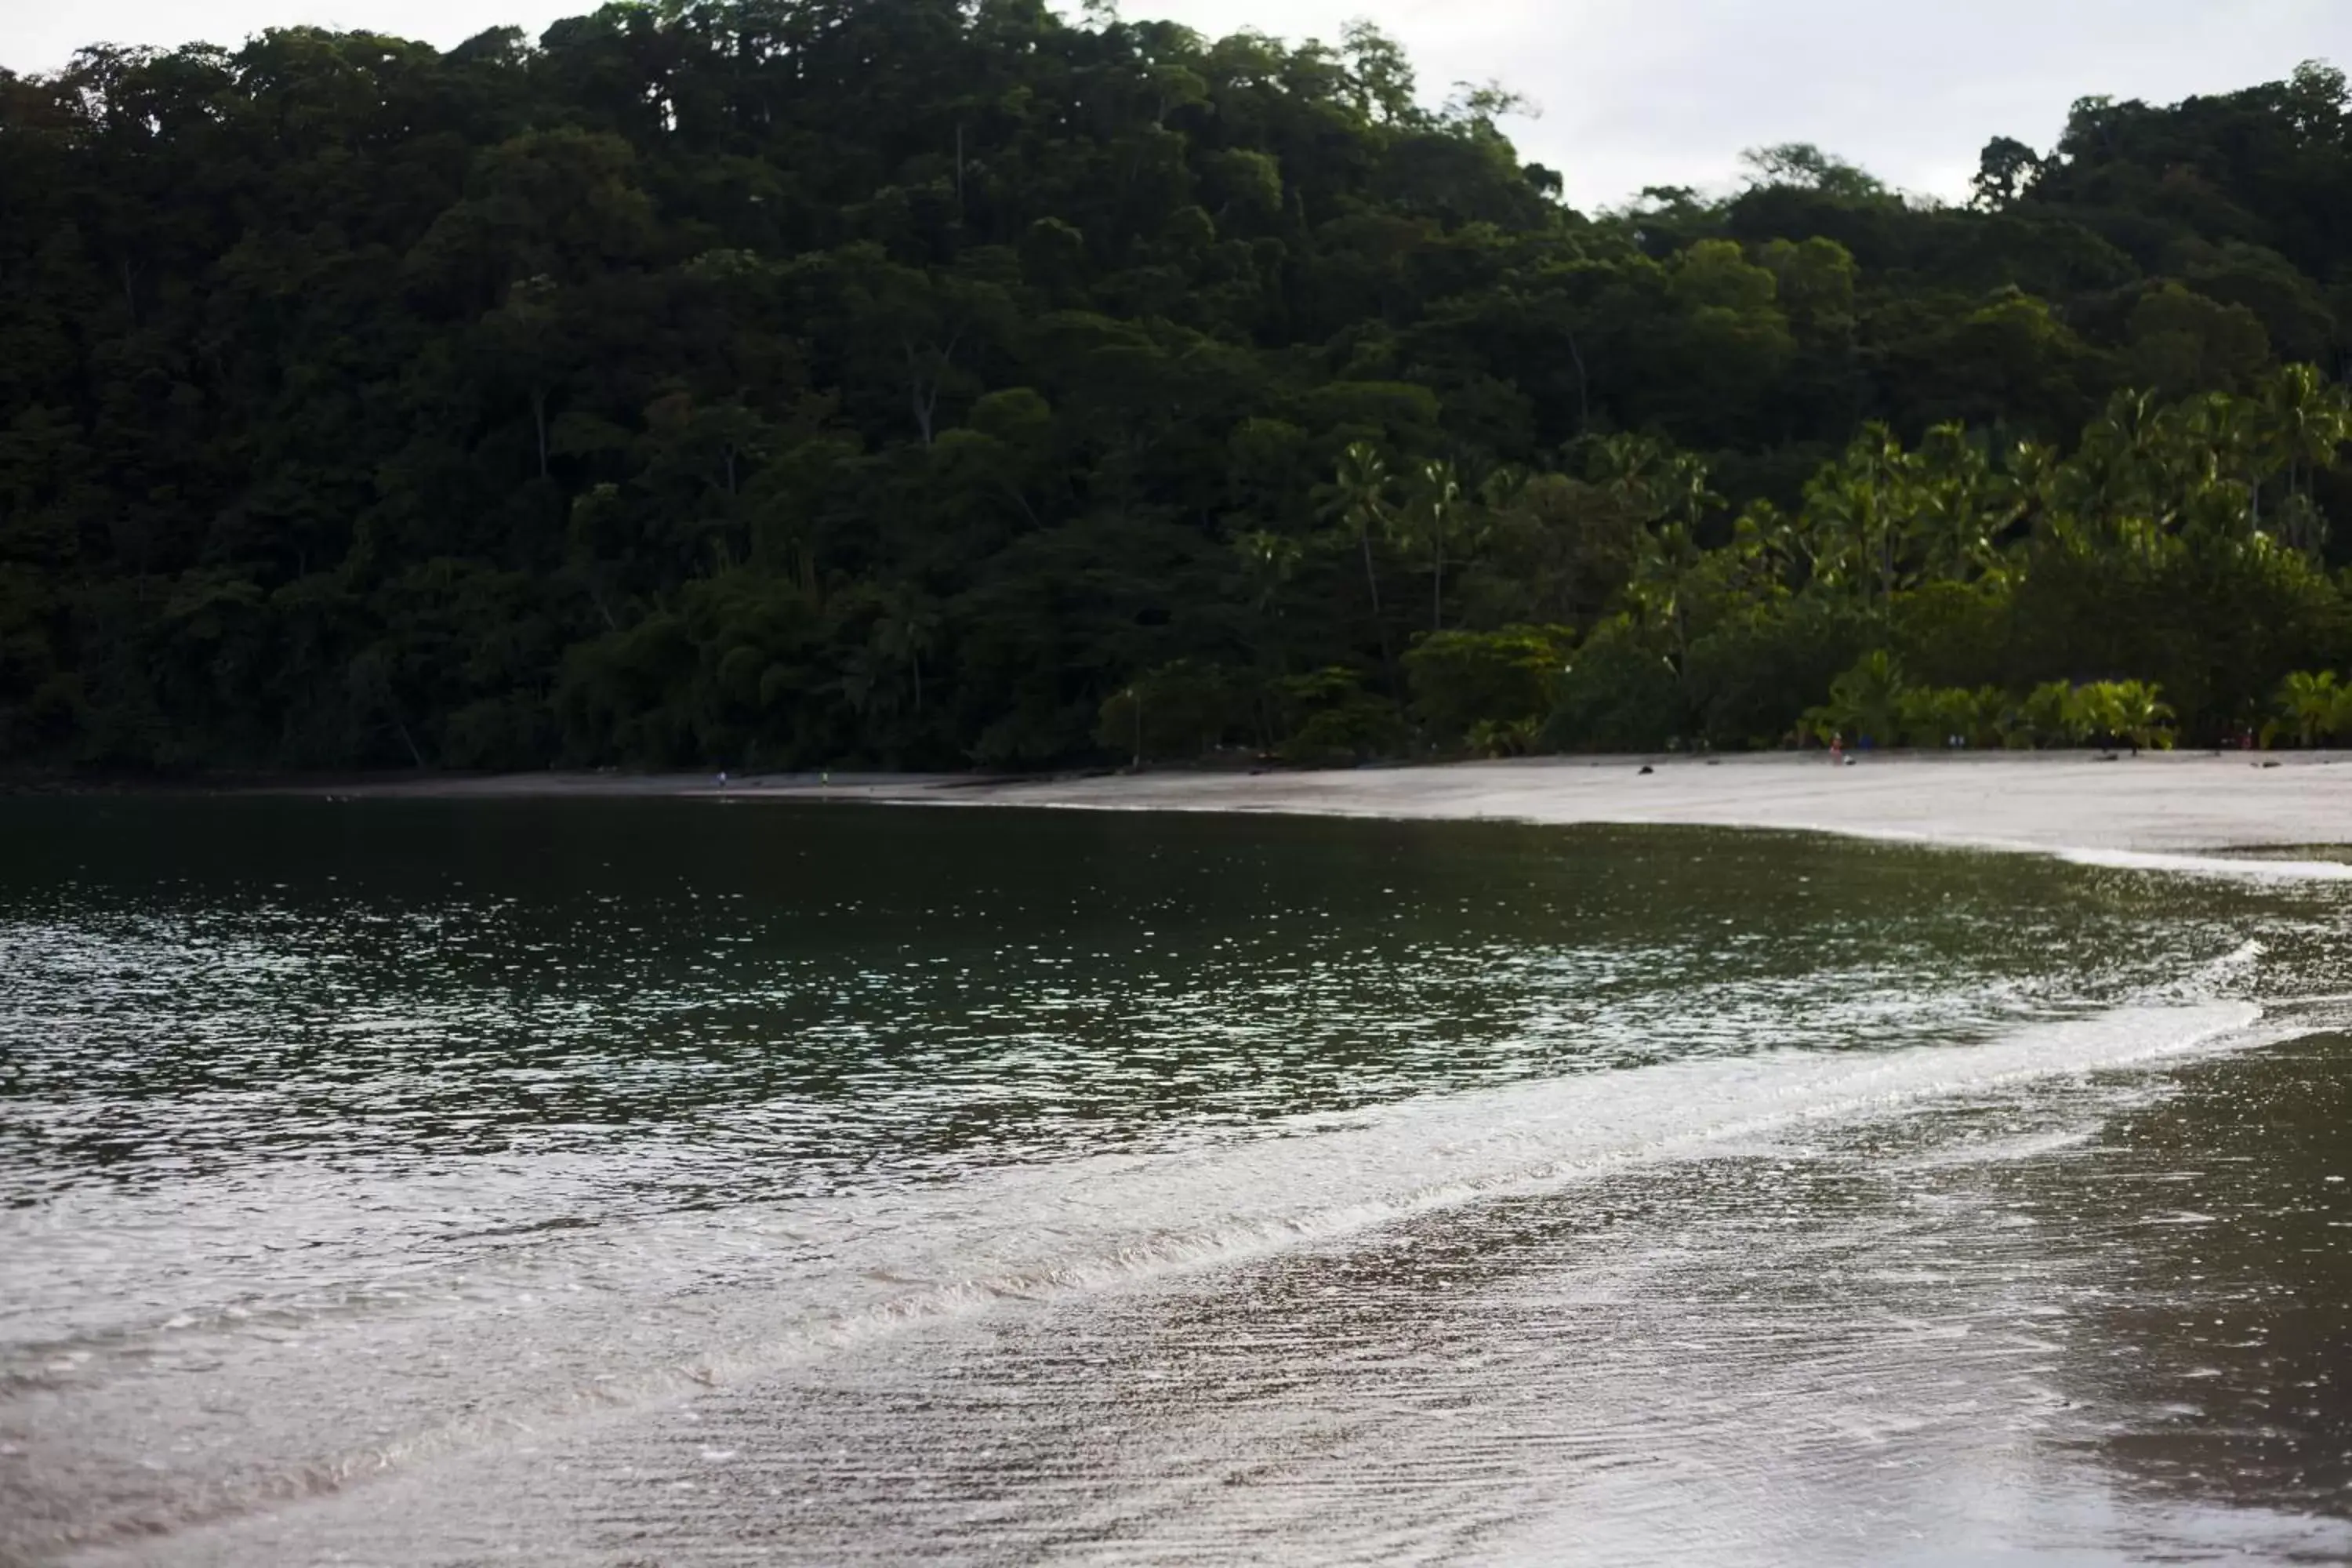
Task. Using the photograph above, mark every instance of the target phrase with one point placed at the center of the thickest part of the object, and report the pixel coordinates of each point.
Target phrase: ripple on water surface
(339, 1136)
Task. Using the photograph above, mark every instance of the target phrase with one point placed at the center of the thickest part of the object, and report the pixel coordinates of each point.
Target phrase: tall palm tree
(1499, 489)
(1428, 520)
(1628, 466)
(2116, 477)
(2304, 422)
(1653, 480)
(1669, 562)
(1357, 500)
(2231, 429)
(1855, 504)
(1267, 561)
(1960, 504)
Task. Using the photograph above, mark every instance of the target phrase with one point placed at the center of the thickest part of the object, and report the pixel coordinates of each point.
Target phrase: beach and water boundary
(2180, 811)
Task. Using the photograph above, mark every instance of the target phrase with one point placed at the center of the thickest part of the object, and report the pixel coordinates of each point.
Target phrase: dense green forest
(941, 383)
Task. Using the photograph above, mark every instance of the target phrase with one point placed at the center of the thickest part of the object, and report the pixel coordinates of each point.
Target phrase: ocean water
(642, 1182)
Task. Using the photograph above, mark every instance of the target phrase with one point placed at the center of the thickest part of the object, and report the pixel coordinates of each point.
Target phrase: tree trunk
(923, 393)
(922, 409)
(1380, 622)
(1583, 388)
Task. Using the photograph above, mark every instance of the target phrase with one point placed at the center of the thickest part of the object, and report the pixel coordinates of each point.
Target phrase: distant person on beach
(1837, 749)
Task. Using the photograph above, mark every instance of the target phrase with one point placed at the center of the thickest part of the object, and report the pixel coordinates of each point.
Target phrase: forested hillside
(764, 383)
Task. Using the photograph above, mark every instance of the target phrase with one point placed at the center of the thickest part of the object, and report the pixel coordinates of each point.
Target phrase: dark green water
(343, 1139)
(204, 985)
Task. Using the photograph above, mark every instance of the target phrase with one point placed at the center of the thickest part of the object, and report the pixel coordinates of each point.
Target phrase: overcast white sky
(1633, 92)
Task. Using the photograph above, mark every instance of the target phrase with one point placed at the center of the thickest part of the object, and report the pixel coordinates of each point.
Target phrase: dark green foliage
(1507, 676)
(1329, 719)
(1749, 678)
(782, 382)
(1178, 711)
(1618, 696)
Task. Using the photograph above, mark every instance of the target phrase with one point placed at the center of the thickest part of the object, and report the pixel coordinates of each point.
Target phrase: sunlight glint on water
(334, 1137)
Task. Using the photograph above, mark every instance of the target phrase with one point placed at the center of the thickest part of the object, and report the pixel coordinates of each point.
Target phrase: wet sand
(2151, 805)
(2085, 1321)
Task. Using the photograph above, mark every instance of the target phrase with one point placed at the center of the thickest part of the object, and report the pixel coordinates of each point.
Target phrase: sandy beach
(2153, 806)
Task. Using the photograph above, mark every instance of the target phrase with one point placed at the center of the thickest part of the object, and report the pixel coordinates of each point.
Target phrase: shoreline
(2155, 810)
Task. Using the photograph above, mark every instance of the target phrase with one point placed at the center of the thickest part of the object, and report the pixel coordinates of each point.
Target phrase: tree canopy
(937, 382)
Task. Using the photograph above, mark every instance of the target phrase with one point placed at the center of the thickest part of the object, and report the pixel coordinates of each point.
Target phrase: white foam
(716, 1298)
(1100, 1219)
(1438, 1150)
(2263, 870)
(2218, 864)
